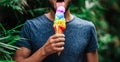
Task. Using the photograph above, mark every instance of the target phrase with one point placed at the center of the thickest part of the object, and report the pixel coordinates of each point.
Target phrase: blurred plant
(105, 15)
(16, 5)
(7, 40)
(8, 36)
(20, 10)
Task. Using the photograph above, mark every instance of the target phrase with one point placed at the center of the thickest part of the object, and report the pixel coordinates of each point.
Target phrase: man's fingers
(60, 44)
(57, 36)
(57, 40)
(59, 49)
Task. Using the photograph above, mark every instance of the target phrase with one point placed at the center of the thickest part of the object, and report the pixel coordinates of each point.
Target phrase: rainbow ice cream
(59, 21)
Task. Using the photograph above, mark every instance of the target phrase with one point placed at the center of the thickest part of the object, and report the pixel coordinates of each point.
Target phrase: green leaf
(15, 38)
(4, 30)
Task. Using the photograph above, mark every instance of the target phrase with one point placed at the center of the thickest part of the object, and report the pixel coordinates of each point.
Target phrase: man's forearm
(38, 56)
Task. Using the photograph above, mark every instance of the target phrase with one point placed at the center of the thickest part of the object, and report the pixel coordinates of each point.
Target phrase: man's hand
(54, 44)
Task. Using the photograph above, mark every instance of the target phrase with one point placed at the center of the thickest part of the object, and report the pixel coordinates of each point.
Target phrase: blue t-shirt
(80, 38)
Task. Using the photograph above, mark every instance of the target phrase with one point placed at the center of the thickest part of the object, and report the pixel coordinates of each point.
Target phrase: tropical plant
(7, 41)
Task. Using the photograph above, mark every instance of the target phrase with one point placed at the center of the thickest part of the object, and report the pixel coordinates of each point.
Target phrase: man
(77, 44)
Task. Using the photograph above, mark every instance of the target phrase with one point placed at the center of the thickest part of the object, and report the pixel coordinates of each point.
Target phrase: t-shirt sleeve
(24, 37)
(93, 42)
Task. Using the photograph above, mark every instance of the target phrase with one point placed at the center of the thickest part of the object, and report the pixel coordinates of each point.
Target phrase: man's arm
(54, 44)
(92, 56)
(23, 55)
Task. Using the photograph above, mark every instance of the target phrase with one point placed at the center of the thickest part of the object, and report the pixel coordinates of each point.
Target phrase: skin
(54, 44)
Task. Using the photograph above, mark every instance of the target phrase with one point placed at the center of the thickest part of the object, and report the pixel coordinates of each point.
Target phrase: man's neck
(51, 15)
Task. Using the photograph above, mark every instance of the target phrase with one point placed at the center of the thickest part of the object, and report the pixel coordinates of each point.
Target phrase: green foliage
(14, 4)
(104, 14)
(7, 40)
